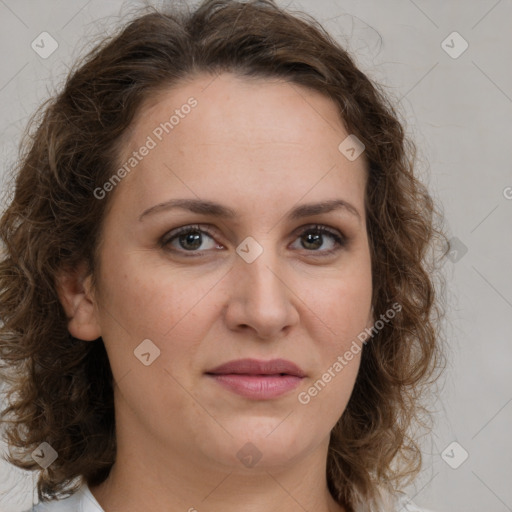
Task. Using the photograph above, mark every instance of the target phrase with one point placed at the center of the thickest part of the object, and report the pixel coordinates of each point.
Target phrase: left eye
(191, 238)
(313, 239)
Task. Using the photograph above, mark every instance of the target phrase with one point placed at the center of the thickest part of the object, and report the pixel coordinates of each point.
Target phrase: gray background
(459, 111)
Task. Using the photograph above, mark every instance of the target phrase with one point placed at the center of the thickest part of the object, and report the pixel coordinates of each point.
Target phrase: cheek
(340, 316)
(340, 307)
(144, 302)
(151, 299)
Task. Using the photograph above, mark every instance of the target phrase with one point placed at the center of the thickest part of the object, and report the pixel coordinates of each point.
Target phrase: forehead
(246, 111)
(253, 133)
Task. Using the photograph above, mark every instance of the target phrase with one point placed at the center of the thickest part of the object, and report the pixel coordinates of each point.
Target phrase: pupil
(191, 237)
(317, 238)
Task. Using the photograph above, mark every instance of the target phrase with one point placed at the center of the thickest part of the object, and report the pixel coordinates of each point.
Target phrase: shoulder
(81, 501)
(405, 504)
(394, 501)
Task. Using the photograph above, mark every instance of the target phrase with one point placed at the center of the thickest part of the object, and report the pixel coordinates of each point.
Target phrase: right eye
(189, 239)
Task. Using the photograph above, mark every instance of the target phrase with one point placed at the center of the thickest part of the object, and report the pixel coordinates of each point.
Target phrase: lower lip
(261, 387)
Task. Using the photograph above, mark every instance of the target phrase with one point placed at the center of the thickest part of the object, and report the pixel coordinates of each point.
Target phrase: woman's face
(251, 279)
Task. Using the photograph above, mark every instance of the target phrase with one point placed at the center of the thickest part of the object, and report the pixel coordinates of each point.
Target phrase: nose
(261, 298)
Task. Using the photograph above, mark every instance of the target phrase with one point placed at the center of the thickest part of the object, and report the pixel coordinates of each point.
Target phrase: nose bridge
(261, 297)
(261, 279)
(261, 286)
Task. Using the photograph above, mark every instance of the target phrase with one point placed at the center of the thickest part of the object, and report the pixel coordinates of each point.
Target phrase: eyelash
(339, 238)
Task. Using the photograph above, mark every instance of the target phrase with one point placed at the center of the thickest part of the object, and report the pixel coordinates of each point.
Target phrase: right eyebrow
(193, 205)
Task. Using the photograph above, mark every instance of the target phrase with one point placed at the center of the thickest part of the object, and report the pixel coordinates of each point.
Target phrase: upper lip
(258, 367)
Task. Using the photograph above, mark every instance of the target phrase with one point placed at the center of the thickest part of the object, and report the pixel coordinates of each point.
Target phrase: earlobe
(76, 296)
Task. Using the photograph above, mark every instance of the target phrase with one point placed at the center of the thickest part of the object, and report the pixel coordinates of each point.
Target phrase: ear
(76, 296)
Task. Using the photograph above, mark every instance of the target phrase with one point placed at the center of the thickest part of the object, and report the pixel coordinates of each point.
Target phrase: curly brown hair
(60, 389)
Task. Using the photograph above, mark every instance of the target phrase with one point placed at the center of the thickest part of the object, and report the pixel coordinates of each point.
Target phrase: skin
(260, 147)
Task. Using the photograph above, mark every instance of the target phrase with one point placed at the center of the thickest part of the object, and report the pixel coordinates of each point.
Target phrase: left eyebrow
(310, 209)
(218, 210)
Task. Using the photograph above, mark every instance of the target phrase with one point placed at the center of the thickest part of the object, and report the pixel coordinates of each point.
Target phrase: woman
(215, 287)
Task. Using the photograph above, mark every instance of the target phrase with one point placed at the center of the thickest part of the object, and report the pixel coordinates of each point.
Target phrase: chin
(260, 444)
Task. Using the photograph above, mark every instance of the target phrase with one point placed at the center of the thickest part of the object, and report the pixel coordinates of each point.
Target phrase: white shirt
(84, 501)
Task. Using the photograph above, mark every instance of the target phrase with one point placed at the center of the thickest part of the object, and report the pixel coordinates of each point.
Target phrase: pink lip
(258, 379)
